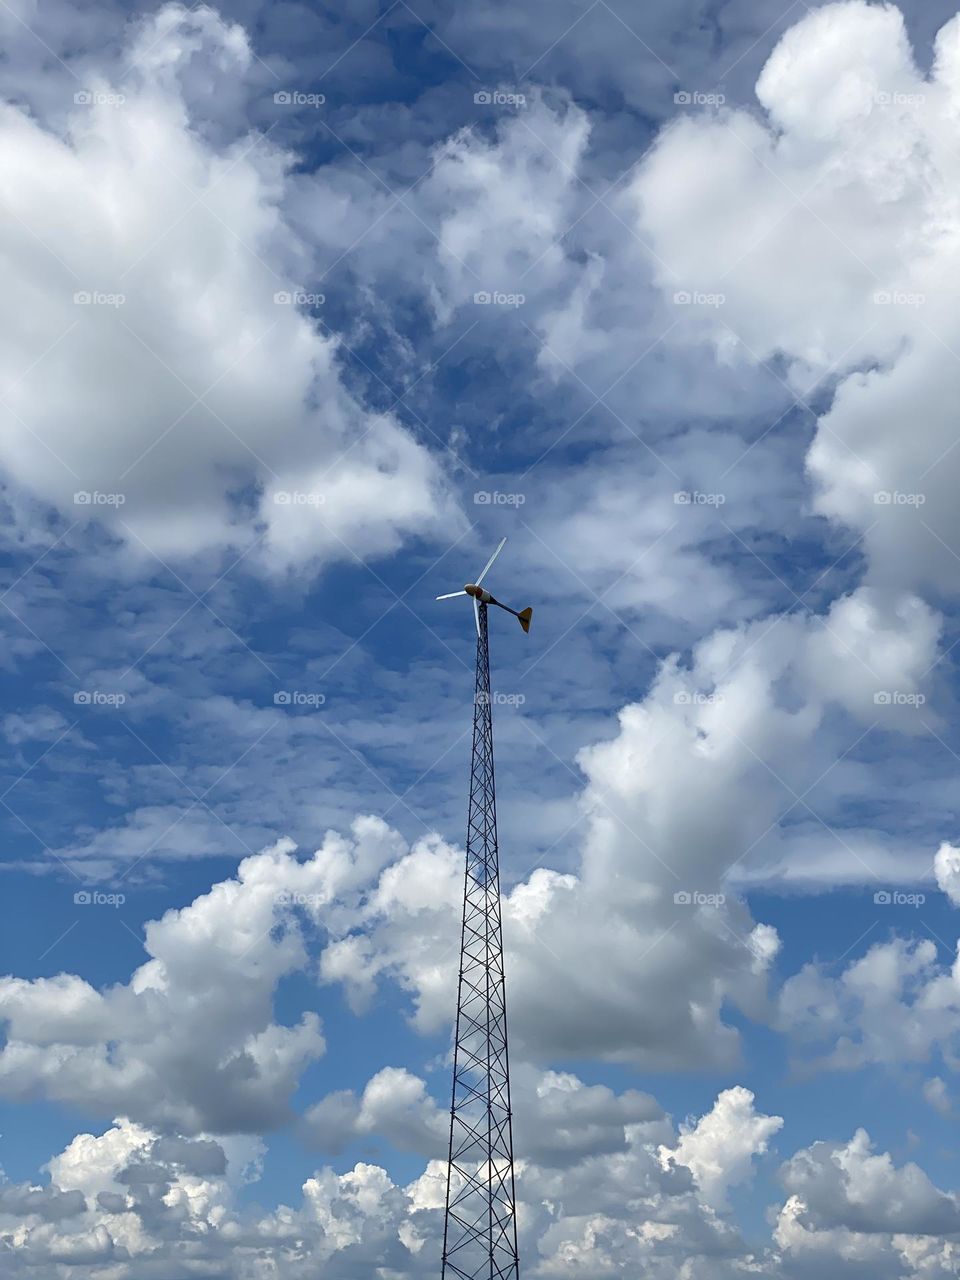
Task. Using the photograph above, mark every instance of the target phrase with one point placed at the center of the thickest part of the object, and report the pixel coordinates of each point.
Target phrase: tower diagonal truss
(480, 1227)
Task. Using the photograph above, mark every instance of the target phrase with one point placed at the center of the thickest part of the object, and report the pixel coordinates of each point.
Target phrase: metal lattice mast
(480, 1228)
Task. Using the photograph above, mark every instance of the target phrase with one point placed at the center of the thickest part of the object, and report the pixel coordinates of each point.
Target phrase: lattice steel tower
(480, 1227)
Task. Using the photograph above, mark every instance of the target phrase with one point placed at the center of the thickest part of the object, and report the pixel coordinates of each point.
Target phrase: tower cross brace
(480, 1225)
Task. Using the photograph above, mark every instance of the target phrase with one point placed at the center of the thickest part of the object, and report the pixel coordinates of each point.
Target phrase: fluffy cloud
(642, 947)
(848, 1185)
(946, 867)
(503, 206)
(394, 1105)
(160, 361)
(136, 1204)
(856, 1213)
(558, 1120)
(190, 1041)
(561, 1120)
(895, 1004)
(128, 1203)
(719, 1149)
(937, 1094)
(829, 227)
(660, 940)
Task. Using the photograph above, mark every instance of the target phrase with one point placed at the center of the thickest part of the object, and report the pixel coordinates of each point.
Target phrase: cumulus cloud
(606, 1184)
(849, 1185)
(134, 1204)
(502, 205)
(129, 1203)
(558, 1120)
(661, 939)
(828, 226)
(895, 1004)
(855, 1212)
(394, 1105)
(562, 1119)
(190, 1049)
(719, 1149)
(190, 1040)
(946, 867)
(167, 374)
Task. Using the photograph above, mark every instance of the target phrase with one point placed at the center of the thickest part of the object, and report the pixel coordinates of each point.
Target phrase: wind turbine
(480, 1221)
(480, 596)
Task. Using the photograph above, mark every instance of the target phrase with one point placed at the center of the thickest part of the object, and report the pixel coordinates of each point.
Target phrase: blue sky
(304, 311)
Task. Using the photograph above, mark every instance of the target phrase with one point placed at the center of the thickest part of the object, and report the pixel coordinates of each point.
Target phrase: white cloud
(946, 866)
(558, 1120)
(129, 1204)
(142, 1205)
(719, 1149)
(937, 1094)
(850, 1186)
(562, 1120)
(895, 1004)
(214, 412)
(150, 1204)
(872, 656)
(830, 227)
(394, 1105)
(661, 940)
(190, 1039)
(42, 724)
(503, 207)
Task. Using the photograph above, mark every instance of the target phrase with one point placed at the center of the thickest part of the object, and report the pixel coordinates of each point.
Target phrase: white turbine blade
(451, 594)
(491, 560)
(476, 612)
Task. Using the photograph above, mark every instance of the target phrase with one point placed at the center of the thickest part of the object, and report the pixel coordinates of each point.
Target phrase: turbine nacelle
(481, 595)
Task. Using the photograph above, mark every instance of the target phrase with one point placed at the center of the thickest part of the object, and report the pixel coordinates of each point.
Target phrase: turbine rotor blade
(476, 614)
(486, 567)
(450, 595)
